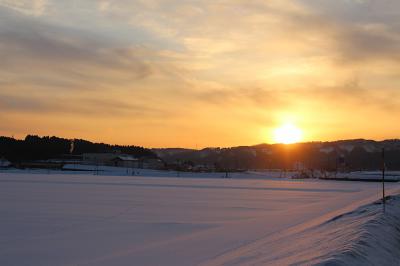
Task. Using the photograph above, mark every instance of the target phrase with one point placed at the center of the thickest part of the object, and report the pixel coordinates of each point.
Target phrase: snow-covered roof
(327, 149)
(4, 162)
(126, 158)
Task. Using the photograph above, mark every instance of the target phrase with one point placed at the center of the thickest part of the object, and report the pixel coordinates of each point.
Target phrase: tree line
(34, 147)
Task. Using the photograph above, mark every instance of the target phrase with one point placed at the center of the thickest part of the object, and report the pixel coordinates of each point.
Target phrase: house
(99, 158)
(152, 163)
(110, 159)
(122, 160)
(126, 161)
(4, 163)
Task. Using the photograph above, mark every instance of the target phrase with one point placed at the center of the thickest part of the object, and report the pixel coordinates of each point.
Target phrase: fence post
(383, 177)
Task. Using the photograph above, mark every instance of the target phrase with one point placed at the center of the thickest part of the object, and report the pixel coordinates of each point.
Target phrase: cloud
(38, 104)
(350, 32)
(369, 43)
(32, 50)
(29, 7)
(255, 97)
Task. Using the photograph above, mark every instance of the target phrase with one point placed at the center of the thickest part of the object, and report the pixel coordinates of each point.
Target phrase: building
(99, 158)
(152, 163)
(126, 161)
(4, 163)
(122, 160)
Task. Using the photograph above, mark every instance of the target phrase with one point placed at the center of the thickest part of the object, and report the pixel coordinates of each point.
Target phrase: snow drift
(366, 236)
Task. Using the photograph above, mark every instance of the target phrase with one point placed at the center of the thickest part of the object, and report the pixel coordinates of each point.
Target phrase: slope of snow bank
(366, 236)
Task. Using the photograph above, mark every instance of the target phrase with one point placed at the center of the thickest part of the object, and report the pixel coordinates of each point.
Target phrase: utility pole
(383, 177)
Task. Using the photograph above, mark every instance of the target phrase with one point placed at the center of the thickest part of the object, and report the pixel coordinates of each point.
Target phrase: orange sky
(199, 73)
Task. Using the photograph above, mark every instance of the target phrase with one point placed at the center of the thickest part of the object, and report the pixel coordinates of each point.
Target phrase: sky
(199, 73)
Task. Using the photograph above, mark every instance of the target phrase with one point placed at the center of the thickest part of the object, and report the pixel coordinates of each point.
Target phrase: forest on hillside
(41, 148)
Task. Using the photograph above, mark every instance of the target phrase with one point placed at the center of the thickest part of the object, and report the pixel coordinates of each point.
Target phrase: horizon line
(210, 147)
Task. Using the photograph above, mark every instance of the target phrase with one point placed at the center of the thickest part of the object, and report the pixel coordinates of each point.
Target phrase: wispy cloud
(29, 7)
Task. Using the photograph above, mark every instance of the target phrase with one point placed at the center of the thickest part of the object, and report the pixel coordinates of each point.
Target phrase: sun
(287, 134)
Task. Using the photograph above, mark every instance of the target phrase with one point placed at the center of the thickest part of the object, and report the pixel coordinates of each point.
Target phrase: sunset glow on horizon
(185, 74)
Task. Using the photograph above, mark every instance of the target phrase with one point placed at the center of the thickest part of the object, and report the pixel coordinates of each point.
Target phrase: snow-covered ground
(85, 219)
(389, 175)
(251, 174)
(71, 169)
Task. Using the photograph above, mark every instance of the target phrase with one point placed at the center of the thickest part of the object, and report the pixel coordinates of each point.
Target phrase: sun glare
(287, 134)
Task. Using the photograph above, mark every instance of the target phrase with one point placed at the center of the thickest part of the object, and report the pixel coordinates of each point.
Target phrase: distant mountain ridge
(355, 154)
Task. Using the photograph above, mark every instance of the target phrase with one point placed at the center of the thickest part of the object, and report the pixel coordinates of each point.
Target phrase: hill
(357, 154)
